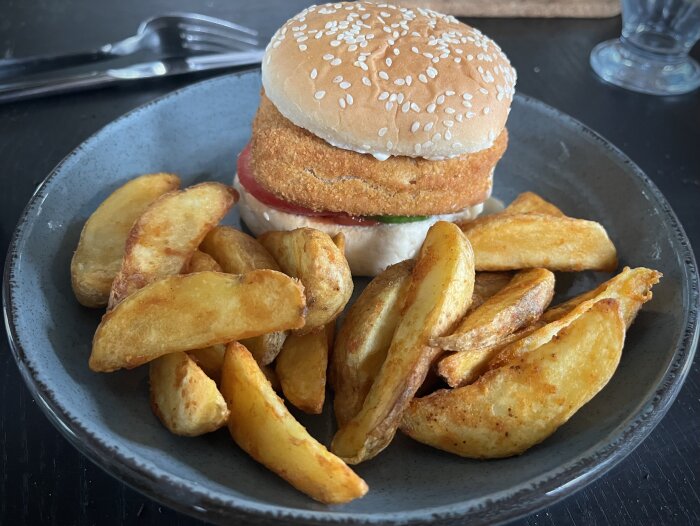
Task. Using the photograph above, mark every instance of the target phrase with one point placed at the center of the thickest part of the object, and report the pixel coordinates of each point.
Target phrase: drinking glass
(651, 56)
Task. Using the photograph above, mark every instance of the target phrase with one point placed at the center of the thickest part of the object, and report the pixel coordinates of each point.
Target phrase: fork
(170, 35)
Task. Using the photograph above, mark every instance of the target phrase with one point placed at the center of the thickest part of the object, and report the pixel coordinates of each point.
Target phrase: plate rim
(187, 498)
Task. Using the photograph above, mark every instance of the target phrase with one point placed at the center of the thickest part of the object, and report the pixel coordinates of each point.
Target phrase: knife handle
(27, 89)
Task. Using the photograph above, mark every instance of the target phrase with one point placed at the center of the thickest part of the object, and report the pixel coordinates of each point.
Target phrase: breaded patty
(303, 169)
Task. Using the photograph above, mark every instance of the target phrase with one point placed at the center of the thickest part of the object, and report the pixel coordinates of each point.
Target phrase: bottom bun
(368, 249)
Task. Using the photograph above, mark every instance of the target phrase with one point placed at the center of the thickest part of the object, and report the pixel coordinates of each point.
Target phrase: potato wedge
(512, 408)
(486, 284)
(518, 305)
(311, 256)
(517, 241)
(238, 253)
(301, 368)
(184, 398)
(364, 338)
(98, 257)
(192, 311)
(339, 240)
(200, 262)
(210, 360)
(162, 240)
(263, 427)
(531, 203)
(438, 295)
(631, 288)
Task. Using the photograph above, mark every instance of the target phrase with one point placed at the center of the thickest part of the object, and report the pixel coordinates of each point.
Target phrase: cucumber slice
(399, 219)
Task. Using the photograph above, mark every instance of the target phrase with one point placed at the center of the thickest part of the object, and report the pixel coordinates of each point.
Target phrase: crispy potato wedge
(199, 262)
(531, 203)
(301, 368)
(517, 305)
(339, 240)
(263, 427)
(486, 284)
(192, 311)
(517, 241)
(512, 408)
(210, 360)
(631, 289)
(162, 240)
(311, 256)
(184, 398)
(438, 295)
(238, 253)
(98, 257)
(364, 338)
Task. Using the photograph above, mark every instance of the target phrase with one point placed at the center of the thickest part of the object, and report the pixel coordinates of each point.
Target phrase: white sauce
(369, 249)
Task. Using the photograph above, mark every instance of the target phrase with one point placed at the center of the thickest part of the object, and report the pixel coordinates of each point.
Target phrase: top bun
(387, 80)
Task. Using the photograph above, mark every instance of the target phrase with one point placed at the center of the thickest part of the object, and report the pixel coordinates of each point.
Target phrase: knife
(15, 91)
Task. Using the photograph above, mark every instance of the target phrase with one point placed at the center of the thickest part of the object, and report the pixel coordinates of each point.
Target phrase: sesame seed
(449, 93)
(382, 131)
(399, 98)
(430, 108)
(406, 106)
(423, 78)
(349, 99)
(428, 126)
(389, 145)
(487, 110)
(366, 81)
(345, 84)
(393, 97)
(449, 110)
(415, 126)
(335, 43)
(417, 148)
(396, 51)
(327, 56)
(415, 107)
(399, 82)
(383, 95)
(319, 94)
(336, 62)
(415, 49)
(470, 57)
(457, 60)
(341, 101)
(388, 62)
(449, 124)
(432, 72)
(469, 115)
(383, 75)
(436, 137)
(314, 74)
(338, 79)
(389, 105)
(409, 80)
(467, 96)
(459, 117)
(353, 48)
(303, 47)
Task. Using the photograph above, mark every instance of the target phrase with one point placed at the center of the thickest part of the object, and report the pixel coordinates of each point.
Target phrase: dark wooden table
(43, 480)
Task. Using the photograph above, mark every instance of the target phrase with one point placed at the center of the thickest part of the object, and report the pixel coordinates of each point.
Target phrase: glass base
(623, 66)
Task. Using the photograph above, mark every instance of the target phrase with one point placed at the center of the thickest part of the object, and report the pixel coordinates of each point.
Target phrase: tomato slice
(245, 176)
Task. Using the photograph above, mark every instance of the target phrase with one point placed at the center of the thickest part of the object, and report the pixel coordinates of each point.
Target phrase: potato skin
(512, 408)
(98, 257)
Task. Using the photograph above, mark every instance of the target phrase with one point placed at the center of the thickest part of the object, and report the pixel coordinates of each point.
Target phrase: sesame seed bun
(390, 81)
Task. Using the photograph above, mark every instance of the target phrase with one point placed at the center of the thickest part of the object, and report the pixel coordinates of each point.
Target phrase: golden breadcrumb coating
(301, 168)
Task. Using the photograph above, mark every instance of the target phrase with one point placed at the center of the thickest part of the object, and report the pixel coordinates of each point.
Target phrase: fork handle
(42, 63)
(36, 88)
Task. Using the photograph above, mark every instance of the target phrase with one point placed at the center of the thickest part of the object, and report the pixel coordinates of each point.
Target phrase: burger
(375, 121)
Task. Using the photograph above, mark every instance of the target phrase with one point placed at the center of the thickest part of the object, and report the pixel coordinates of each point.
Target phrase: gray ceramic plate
(197, 132)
